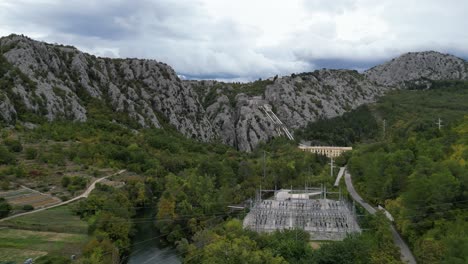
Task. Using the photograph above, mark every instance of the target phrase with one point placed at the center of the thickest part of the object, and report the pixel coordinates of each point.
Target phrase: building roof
(285, 194)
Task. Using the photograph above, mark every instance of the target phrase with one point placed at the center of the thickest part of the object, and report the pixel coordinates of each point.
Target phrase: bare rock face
(300, 99)
(252, 126)
(416, 67)
(238, 117)
(7, 110)
(222, 117)
(60, 82)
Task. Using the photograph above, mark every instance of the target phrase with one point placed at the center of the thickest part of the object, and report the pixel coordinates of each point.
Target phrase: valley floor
(57, 231)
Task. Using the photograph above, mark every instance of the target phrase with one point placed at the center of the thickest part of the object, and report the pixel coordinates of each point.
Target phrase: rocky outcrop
(252, 126)
(418, 68)
(7, 110)
(236, 117)
(235, 110)
(300, 99)
(60, 82)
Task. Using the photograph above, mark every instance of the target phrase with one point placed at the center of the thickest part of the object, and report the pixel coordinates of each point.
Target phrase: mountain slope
(60, 82)
(40, 81)
(416, 67)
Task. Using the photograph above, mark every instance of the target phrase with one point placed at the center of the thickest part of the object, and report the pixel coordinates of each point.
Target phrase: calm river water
(146, 248)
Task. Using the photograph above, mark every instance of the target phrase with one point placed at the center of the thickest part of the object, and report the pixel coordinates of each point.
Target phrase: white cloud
(244, 39)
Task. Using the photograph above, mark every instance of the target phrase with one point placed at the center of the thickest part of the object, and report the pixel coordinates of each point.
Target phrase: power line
(160, 236)
(155, 237)
(266, 245)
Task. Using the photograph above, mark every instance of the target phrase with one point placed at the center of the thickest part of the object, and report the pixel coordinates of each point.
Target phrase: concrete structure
(280, 127)
(328, 151)
(338, 178)
(310, 210)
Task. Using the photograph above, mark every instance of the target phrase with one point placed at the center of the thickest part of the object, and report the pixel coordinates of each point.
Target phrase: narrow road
(405, 252)
(85, 194)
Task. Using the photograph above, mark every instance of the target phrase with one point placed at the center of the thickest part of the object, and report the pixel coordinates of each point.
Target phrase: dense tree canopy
(420, 172)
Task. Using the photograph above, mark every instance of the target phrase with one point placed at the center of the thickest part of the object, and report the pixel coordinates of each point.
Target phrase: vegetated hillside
(419, 172)
(186, 181)
(356, 126)
(40, 81)
(189, 184)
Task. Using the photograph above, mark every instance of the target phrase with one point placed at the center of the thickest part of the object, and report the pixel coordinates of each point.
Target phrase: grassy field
(59, 219)
(23, 196)
(56, 231)
(18, 245)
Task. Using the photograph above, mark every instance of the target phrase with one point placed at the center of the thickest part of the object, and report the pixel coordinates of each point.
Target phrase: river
(146, 247)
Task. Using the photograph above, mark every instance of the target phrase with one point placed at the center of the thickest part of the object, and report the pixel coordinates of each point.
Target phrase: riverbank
(146, 246)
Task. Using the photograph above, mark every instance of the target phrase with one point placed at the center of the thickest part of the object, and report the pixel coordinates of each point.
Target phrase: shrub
(5, 185)
(51, 259)
(13, 145)
(6, 157)
(74, 183)
(5, 207)
(28, 207)
(31, 153)
(66, 181)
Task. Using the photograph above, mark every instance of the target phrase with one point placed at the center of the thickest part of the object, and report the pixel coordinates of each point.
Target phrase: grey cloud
(75, 18)
(335, 6)
(338, 63)
(198, 45)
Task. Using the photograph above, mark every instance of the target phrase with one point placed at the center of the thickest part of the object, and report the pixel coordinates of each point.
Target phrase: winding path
(405, 252)
(85, 194)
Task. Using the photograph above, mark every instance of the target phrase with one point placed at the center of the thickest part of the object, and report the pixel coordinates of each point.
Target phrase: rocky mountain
(61, 82)
(417, 68)
(236, 114)
(40, 81)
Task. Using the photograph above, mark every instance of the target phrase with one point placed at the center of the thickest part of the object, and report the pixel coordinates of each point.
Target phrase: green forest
(414, 169)
(419, 172)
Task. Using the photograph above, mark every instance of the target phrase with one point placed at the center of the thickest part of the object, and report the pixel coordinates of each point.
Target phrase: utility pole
(384, 127)
(260, 197)
(340, 198)
(331, 167)
(439, 123)
(276, 183)
(264, 165)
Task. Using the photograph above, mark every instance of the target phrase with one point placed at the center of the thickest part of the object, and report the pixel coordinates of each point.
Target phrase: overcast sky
(245, 39)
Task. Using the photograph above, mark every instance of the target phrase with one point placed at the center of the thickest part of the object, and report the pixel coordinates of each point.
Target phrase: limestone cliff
(60, 82)
(416, 68)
